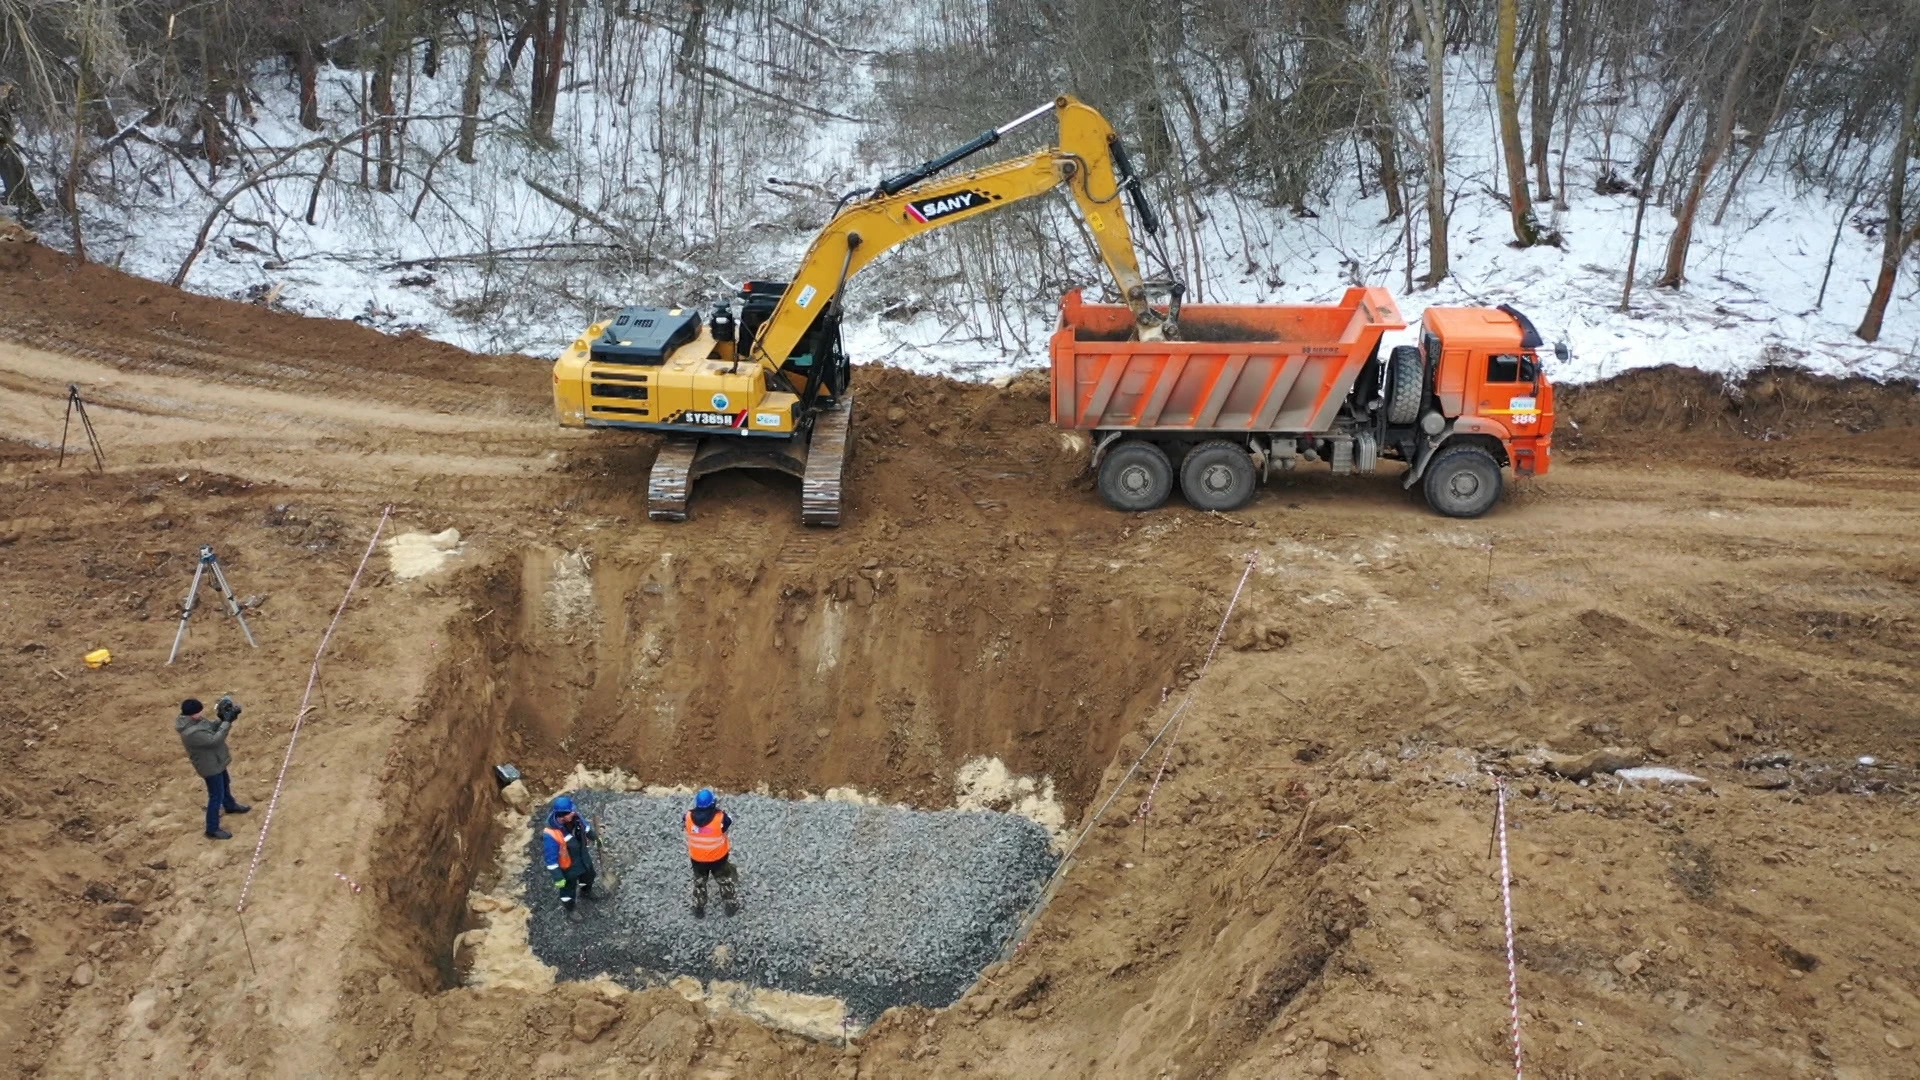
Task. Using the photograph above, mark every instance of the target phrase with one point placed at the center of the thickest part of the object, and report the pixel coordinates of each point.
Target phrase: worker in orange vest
(567, 841)
(707, 844)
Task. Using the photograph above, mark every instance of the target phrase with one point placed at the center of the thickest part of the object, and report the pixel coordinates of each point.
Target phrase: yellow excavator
(769, 390)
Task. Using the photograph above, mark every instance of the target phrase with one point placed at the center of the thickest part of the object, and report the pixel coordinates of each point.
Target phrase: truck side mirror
(1529, 369)
(1561, 352)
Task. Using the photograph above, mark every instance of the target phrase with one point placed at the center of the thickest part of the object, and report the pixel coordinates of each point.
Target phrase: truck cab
(1487, 392)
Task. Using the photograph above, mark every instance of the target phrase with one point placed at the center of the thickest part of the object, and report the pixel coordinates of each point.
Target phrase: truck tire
(1406, 384)
(1218, 475)
(1462, 481)
(1136, 476)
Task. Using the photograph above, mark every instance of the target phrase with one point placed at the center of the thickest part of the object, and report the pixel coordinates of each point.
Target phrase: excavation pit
(874, 905)
(914, 682)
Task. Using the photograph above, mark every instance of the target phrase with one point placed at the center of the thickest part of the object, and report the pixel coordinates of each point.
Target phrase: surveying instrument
(209, 562)
(75, 404)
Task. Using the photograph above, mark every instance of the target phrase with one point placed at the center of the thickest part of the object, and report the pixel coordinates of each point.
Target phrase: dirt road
(1709, 578)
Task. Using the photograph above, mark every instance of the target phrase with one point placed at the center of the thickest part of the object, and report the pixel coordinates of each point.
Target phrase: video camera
(227, 709)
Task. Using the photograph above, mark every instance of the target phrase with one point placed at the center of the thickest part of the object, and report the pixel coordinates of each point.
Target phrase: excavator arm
(1087, 159)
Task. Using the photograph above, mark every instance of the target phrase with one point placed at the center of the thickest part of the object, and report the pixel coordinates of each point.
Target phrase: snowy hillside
(481, 256)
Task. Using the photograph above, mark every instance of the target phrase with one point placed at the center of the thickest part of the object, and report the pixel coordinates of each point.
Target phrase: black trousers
(576, 877)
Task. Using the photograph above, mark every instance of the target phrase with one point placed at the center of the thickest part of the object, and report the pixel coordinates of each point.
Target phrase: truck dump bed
(1238, 367)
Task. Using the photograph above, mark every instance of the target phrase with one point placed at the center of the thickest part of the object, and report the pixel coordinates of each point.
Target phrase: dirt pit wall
(749, 675)
(738, 674)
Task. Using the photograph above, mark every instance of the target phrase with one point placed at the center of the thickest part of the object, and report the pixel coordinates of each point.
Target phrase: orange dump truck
(1247, 389)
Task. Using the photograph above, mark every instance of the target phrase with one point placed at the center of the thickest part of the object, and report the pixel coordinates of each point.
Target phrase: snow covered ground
(1749, 300)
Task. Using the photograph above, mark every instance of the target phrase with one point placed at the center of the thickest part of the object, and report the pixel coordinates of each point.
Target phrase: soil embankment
(1724, 582)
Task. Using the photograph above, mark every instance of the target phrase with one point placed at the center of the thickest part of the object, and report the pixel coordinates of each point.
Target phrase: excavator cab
(819, 362)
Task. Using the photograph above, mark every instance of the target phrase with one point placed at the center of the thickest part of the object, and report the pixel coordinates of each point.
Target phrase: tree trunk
(1899, 234)
(1526, 231)
(1773, 117)
(306, 66)
(1542, 126)
(514, 48)
(383, 107)
(1381, 136)
(1432, 25)
(549, 56)
(470, 97)
(16, 183)
(70, 191)
(1710, 154)
(1384, 132)
(1650, 155)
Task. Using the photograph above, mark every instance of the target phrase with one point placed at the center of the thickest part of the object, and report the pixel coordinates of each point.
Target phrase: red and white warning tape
(313, 677)
(1066, 859)
(1506, 904)
(1146, 805)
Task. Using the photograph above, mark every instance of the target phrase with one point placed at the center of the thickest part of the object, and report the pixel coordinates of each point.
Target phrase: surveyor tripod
(76, 405)
(209, 563)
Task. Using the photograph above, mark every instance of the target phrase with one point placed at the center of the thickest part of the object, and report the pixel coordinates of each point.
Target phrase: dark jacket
(702, 816)
(577, 838)
(206, 743)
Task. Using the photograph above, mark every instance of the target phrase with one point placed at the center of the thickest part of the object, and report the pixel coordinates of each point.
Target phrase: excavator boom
(1087, 159)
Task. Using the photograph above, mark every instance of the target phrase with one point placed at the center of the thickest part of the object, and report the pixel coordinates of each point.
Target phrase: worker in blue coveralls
(568, 840)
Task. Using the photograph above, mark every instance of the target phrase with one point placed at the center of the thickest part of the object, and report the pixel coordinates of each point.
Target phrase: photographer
(206, 743)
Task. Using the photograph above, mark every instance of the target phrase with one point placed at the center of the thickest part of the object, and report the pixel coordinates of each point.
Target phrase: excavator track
(820, 488)
(670, 484)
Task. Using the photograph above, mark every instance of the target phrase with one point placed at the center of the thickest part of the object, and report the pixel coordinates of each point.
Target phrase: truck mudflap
(1531, 457)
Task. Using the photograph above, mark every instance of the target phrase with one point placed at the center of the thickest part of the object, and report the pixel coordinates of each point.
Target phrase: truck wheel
(1406, 384)
(1218, 475)
(1135, 476)
(1463, 482)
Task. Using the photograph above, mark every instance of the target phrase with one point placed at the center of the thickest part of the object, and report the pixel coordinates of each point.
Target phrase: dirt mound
(15, 242)
(53, 301)
(1650, 405)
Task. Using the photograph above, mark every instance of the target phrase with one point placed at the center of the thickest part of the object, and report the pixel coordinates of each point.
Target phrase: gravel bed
(875, 905)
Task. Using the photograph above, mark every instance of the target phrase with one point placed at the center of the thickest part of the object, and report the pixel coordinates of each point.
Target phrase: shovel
(605, 880)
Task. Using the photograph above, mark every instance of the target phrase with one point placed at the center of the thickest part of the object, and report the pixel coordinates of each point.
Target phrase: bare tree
(549, 58)
(1541, 127)
(1715, 147)
(1430, 18)
(1650, 156)
(470, 95)
(1898, 234)
(1756, 139)
(383, 108)
(1526, 231)
(16, 182)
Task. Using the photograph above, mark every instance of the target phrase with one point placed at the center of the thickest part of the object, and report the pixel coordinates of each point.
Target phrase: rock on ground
(876, 905)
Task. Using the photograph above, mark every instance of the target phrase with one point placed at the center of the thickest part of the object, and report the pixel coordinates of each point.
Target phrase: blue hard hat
(703, 798)
(563, 805)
